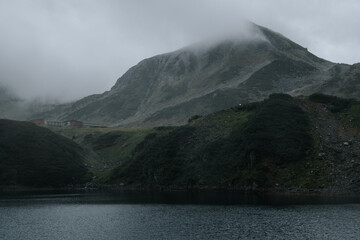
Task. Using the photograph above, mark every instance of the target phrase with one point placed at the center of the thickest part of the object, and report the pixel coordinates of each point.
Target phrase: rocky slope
(167, 89)
(335, 126)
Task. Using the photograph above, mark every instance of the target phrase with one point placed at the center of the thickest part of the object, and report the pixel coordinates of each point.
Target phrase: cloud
(68, 49)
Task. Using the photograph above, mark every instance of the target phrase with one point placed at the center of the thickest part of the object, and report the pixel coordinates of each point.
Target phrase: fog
(64, 50)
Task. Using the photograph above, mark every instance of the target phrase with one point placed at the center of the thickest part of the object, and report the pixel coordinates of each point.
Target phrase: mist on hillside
(65, 50)
(59, 52)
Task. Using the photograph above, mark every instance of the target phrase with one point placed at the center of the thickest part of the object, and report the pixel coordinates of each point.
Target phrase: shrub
(279, 130)
(336, 104)
(193, 118)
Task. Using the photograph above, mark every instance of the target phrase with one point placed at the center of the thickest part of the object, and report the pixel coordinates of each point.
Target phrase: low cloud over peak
(68, 49)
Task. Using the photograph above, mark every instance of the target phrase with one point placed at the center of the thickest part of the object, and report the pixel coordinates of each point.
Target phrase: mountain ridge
(247, 71)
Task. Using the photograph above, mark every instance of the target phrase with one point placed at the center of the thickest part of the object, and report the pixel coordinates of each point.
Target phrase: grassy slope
(106, 148)
(34, 156)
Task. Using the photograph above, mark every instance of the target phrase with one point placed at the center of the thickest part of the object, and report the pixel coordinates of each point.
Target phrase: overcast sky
(67, 49)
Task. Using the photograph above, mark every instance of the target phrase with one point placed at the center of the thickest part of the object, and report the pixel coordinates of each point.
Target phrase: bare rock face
(168, 89)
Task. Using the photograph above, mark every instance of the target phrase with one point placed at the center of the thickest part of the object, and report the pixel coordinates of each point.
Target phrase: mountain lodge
(57, 123)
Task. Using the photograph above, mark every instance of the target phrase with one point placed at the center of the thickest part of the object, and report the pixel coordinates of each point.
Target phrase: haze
(68, 49)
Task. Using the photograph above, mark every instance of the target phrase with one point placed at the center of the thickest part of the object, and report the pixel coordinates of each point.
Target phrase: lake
(176, 215)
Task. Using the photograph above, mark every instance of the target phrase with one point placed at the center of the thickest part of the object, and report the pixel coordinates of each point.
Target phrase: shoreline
(194, 189)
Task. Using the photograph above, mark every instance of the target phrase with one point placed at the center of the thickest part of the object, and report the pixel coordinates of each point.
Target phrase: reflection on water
(144, 197)
(177, 215)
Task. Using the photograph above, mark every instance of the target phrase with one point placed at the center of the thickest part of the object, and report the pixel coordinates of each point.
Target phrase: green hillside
(237, 146)
(106, 148)
(280, 143)
(34, 156)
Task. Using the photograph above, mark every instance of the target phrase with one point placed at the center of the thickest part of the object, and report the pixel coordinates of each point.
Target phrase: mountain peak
(205, 77)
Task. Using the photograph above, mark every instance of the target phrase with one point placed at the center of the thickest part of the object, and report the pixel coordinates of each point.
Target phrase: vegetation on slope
(335, 104)
(237, 147)
(279, 142)
(106, 148)
(35, 156)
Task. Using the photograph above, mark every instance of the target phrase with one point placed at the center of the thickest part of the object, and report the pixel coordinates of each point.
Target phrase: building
(39, 121)
(74, 123)
(54, 123)
(57, 123)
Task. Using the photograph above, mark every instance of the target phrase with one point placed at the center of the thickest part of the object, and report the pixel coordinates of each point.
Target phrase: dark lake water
(142, 215)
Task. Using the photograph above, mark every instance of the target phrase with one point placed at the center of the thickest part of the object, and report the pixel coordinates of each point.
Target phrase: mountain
(170, 88)
(35, 156)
